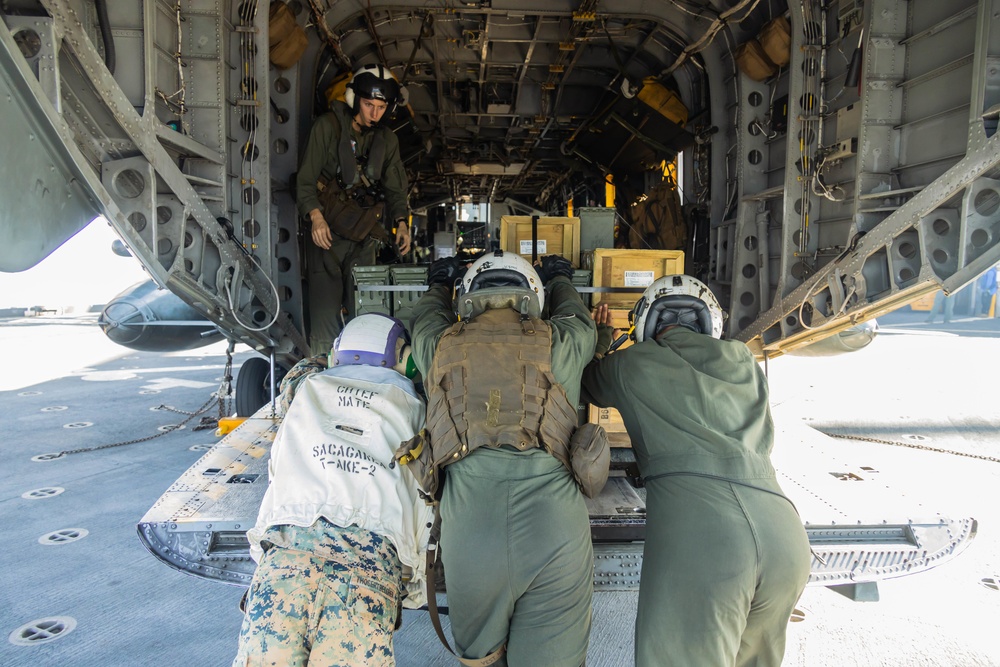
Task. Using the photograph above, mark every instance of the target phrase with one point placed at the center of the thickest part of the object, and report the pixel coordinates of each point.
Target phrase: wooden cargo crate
(611, 420)
(630, 268)
(555, 236)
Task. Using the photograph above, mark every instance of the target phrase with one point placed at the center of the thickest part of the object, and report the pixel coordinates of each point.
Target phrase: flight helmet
(676, 300)
(500, 276)
(373, 82)
(371, 339)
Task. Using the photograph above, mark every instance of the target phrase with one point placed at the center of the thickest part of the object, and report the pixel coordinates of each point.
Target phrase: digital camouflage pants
(321, 596)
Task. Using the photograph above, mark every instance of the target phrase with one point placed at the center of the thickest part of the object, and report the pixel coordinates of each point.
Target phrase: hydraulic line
(106, 36)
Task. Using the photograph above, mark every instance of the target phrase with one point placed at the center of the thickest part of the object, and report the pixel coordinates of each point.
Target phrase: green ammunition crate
(367, 299)
(583, 278)
(402, 302)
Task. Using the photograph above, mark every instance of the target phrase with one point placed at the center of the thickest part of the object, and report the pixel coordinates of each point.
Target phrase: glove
(444, 271)
(552, 266)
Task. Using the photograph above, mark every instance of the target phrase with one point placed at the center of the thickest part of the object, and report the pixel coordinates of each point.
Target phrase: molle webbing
(491, 384)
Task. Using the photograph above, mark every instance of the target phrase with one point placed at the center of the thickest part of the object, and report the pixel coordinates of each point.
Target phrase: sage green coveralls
(723, 564)
(329, 271)
(515, 532)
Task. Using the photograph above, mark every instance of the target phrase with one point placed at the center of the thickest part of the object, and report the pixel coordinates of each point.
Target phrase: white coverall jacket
(333, 458)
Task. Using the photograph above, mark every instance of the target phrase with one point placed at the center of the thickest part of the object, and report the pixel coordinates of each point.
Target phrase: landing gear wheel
(253, 385)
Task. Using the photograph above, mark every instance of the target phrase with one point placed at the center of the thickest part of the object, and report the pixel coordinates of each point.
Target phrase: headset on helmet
(374, 82)
(676, 300)
(371, 339)
(501, 269)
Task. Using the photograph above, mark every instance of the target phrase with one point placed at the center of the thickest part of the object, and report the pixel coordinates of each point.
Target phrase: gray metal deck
(129, 608)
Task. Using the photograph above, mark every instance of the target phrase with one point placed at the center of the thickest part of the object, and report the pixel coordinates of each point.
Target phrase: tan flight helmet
(677, 300)
(500, 279)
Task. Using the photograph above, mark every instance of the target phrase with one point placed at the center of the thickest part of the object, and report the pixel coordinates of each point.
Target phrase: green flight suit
(329, 271)
(515, 531)
(726, 557)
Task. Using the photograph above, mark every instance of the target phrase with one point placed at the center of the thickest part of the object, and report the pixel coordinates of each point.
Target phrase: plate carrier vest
(491, 385)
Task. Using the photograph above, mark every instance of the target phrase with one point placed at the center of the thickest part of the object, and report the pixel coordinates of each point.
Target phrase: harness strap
(432, 608)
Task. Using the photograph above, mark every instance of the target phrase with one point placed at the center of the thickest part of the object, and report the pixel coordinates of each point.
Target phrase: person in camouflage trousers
(341, 533)
(334, 592)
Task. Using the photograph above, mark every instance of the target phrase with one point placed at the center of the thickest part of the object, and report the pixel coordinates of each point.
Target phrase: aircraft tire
(253, 388)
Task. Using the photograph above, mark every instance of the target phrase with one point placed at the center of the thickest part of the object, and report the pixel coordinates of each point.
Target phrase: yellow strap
(413, 454)
(491, 659)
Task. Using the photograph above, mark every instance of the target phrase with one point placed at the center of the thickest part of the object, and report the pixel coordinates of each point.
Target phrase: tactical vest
(355, 169)
(352, 199)
(491, 385)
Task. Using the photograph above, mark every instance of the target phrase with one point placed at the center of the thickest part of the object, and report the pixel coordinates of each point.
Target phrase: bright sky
(83, 271)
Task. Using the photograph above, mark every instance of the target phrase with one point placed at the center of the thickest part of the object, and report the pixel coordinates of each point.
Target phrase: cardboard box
(555, 236)
(630, 268)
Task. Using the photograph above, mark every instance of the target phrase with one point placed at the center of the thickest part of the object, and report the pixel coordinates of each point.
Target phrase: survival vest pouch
(416, 454)
(590, 458)
(346, 216)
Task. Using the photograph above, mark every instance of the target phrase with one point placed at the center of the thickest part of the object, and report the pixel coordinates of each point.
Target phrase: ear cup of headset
(349, 97)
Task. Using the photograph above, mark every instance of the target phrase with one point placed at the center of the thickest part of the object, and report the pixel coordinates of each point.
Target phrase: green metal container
(583, 278)
(402, 302)
(367, 299)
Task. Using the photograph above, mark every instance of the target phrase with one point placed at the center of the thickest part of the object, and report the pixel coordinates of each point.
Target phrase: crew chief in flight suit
(339, 520)
(515, 536)
(726, 556)
(347, 147)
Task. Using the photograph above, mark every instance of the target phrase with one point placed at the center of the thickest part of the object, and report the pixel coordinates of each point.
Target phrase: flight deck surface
(916, 384)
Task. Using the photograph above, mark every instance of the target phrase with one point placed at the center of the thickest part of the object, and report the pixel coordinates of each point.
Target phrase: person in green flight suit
(502, 387)
(726, 556)
(350, 182)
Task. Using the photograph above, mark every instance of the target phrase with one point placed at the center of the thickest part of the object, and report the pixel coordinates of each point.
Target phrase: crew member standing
(350, 183)
(502, 386)
(725, 556)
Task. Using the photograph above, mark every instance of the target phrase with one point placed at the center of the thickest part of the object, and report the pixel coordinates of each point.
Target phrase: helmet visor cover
(372, 88)
(374, 82)
(369, 340)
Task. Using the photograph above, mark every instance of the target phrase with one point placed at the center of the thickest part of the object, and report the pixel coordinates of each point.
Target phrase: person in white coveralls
(342, 531)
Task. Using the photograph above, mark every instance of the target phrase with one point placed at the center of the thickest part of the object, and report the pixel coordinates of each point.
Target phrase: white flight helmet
(501, 273)
(371, 339)
(676, 300)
